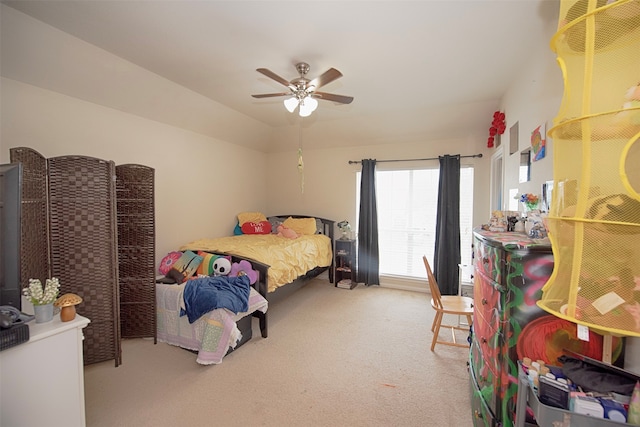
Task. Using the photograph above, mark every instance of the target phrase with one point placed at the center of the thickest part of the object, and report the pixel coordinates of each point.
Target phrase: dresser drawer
(488, 261)
(480, 413)
(488, 342)
(487, 301)
(485, 373)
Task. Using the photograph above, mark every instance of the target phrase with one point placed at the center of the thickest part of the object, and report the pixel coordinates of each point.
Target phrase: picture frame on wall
(547, 190)
(538, 143)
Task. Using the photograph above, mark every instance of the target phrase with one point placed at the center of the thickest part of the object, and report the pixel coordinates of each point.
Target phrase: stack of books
(345, 284)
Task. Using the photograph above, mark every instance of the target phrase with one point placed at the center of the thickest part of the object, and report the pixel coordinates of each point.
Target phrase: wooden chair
(447, 304)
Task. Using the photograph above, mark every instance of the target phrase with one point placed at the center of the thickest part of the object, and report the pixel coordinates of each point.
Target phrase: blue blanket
(208, 293)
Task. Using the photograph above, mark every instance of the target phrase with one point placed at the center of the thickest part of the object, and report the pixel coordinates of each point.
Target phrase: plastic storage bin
(548, 416)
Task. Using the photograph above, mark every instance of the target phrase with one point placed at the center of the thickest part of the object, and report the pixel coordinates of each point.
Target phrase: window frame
(465, 241)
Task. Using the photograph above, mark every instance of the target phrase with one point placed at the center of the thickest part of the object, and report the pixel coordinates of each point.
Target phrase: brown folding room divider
(71, 229)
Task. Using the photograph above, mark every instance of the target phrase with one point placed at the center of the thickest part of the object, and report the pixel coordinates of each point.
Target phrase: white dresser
(42, 380)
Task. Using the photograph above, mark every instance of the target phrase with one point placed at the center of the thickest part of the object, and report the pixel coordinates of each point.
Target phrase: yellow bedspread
(288, 258)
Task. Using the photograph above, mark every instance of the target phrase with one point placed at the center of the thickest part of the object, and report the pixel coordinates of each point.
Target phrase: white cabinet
(42, 380)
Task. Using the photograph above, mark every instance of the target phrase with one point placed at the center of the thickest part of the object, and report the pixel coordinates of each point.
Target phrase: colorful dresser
(510, 270)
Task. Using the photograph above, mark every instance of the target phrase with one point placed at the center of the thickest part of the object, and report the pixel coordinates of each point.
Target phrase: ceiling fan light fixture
(308, 106)
(290, 104)
(311, 102)
(305, 112)
(302, 91)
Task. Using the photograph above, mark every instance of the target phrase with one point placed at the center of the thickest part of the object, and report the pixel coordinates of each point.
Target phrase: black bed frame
(262, 285)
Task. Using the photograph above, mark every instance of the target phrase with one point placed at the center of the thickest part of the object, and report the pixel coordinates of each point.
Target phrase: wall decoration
(497, 128)
(538, 143)
(547, 189)
(513, 138)
(525, 165)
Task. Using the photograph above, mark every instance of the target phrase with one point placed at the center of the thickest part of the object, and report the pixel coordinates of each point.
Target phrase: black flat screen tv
(10, 211)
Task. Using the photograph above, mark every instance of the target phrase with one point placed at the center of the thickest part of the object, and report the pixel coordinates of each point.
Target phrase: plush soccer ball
(221, 267)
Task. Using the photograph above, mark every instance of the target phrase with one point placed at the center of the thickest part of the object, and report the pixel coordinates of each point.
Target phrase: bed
(289, 262)
(282, 265)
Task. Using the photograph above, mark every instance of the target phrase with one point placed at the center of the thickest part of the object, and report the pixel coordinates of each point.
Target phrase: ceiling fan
(303, 91)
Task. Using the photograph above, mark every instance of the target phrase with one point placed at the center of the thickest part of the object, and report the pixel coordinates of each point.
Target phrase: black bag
(598, 378)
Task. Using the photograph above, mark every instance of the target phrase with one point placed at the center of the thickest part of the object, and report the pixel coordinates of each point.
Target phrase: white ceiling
(417, 69)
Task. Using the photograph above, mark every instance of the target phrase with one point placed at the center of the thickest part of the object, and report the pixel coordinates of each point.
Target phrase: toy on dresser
(532, 225)
(502, 221)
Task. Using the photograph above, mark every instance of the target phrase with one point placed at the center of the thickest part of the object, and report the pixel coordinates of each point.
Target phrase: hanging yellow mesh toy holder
(594, 219)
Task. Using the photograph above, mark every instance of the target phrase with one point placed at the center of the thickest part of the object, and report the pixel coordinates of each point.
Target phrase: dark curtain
(368, 257)
(447, 250)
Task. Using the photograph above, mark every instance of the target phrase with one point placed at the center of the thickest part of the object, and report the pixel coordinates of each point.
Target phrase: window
(407, 207)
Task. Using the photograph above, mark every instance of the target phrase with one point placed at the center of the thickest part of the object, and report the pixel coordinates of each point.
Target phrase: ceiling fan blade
(270, 95)
(274, 76)
(325, 78)
(333, 97)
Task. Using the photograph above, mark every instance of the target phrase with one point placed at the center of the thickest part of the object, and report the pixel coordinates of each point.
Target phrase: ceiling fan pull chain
(300, 161)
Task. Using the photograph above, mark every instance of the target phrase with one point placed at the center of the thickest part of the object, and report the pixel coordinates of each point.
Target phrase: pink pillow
(262, 227)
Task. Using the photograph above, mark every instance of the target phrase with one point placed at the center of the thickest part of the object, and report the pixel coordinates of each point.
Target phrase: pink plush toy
(286, 232)
(630, 114)
(633, 103)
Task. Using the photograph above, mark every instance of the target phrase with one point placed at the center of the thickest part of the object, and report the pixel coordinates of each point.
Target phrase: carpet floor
(334, 357)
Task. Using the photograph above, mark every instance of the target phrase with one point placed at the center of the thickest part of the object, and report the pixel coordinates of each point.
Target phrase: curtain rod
(412, 160)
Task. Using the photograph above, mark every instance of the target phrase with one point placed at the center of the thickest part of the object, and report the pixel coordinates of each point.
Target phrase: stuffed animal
(629, 114)
(632, 106)
(286, 232)
(613, 208)
(243, 268)
(221, 267)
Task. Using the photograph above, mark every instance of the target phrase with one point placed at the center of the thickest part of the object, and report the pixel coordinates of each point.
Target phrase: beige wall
(202, 180)
(533, 99)
(330, 181)
(201, 183)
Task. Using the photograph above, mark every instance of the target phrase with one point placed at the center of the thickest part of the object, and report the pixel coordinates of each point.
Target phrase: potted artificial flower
(530, 201)
(42, 298)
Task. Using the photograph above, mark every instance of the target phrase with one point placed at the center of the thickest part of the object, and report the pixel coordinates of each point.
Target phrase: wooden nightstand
(345, 264)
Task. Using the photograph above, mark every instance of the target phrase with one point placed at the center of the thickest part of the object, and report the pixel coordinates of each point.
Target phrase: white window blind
(407, 202)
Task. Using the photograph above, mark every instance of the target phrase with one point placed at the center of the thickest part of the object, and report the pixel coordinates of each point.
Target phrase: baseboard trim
(404, 283)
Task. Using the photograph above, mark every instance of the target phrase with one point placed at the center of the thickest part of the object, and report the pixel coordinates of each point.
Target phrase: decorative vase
(44, 313)
(528, 208)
